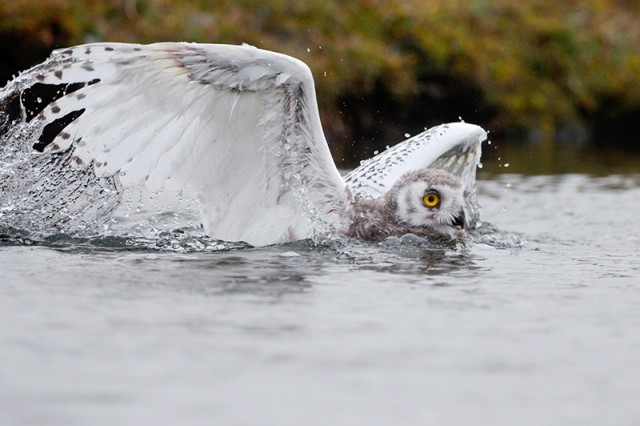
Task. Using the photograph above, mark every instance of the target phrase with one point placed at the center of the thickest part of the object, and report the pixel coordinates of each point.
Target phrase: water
(532, 321)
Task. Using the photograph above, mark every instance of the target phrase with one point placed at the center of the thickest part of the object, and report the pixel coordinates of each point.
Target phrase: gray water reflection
(253, 275)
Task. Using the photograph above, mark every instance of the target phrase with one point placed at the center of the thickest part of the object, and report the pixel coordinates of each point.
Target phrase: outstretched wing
(237, 125)
(454, 147)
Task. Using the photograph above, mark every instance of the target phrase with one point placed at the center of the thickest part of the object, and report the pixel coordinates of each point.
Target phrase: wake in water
(192, 239)
(180, 240)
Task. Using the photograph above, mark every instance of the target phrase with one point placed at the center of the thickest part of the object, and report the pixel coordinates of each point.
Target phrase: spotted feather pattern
(454, 147)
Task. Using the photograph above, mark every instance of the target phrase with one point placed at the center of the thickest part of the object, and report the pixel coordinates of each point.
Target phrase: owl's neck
(372, 219)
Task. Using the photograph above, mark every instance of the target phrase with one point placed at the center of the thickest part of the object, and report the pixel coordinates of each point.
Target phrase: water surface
(533, 320)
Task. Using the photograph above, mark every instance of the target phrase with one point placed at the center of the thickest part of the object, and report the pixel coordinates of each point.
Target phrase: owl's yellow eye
(431, 199)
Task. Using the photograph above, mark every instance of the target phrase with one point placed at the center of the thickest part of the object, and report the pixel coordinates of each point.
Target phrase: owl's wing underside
(237, 125)
(453, 147)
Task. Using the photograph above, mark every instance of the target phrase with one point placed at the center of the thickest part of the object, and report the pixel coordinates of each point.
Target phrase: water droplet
(517, 241)
(507, 164)
(407, 135)
(375, 152)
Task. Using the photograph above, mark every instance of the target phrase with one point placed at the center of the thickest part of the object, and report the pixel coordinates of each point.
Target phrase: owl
(422, 202)
(236, 126)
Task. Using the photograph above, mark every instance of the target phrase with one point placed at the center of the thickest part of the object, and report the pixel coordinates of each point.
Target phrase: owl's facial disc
(431, 199)
(444, 205)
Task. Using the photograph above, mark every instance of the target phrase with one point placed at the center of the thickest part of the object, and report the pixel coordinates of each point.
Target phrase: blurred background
(555, 82)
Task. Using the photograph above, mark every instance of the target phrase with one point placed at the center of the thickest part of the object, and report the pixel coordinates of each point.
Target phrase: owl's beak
(458, 221)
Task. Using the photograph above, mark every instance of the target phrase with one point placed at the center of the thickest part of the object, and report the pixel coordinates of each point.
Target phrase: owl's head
(428, 199)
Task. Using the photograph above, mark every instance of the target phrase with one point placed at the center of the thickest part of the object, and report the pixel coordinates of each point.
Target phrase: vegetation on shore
(534, 67)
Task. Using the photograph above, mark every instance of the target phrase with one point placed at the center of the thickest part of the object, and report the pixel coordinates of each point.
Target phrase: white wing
(454, 147)
(235, 124)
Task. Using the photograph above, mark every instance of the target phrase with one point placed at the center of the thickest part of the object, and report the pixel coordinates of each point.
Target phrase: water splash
(39, 192)
(179, 240)
(488, 234)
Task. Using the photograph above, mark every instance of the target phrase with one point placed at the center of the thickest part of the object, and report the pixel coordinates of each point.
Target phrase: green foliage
(537, 63)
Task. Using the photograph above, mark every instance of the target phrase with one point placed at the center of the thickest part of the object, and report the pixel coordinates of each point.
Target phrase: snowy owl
(236, 125)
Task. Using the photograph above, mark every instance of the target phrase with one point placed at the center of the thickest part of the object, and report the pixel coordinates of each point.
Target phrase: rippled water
(532, 321)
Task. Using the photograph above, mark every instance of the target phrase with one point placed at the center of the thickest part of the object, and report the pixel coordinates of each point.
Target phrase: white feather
(222, 121)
